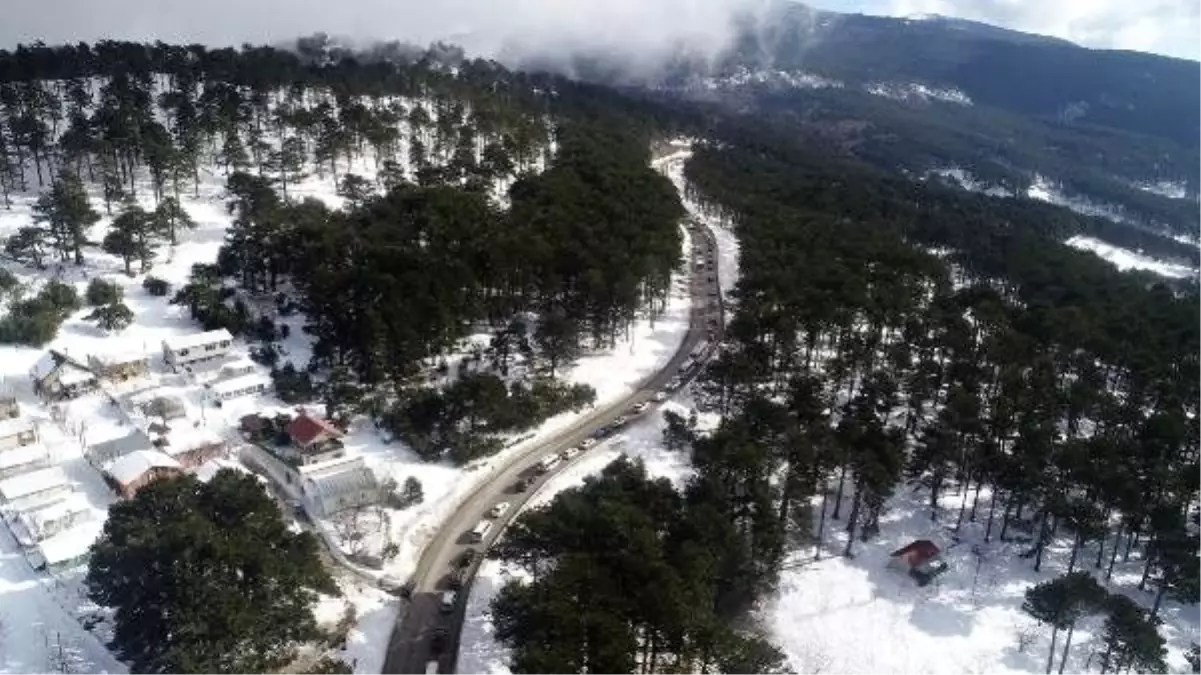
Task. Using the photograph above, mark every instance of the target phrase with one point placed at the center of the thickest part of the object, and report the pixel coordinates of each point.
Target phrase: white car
(568, 453)
(660, 396)
(498, 510)
(620, 421)
(448, 600)
(639, 408)
(588, 443)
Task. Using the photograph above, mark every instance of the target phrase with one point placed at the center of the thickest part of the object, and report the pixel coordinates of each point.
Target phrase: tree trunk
(838, 496)
(975, 500)
(1041, 544)
(821, 522)
(992, 508)
(1051, 652)
(854, 515)
(1075, 552)
(1067, 644)
(1163, 587)
(1117, 543)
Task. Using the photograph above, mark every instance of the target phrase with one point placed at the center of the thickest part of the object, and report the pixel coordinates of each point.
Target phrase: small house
(67, 549)
(245, 385)
(198, 451)
(185, 349)
(345, 485)
(105, 453)
(921, 559)
(23, 459)
(17, 433)
(236, 368)
(132, 472)
(40, 524)
(314, 440)
(35, 488)
(57, 377)
(119, 366)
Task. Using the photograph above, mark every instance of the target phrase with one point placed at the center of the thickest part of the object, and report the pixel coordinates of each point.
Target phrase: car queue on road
(476, 542)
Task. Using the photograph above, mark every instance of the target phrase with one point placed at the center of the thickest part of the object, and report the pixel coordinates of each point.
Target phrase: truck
(480, 531)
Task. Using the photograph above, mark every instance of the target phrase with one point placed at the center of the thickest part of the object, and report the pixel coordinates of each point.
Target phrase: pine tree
(28, 246)
(129, 237)
(169, 218)
(66, 213)
(112, 317)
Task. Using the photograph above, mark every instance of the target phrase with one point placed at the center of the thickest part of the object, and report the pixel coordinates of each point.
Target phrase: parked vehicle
(548, 463)
(431, 667)
(521, 485)
(447, 602)
(480, 531)
(660, 396)
(638, 408)
(467, 557)
(588, 443)
(438, 642)
(499, 510)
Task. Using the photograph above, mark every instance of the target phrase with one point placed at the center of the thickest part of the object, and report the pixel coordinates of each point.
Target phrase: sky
(1162, 26)
(1169, 27)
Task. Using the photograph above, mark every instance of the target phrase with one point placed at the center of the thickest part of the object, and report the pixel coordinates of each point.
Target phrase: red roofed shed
(915, 553)
(309, 432)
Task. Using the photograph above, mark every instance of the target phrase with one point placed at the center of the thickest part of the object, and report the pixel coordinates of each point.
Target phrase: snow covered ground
(857, 615)
(1125, 259)
(35, 621)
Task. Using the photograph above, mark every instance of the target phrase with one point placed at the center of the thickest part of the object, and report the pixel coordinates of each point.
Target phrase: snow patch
(916, 91)
(1125, 259)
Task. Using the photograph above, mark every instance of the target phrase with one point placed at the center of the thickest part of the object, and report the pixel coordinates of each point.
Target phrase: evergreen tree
(114, 316)
(66, 214)
(205, 578)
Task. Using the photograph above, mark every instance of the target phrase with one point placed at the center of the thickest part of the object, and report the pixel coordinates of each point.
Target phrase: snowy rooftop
(119, 357)
(72, 543)
(14, 426)
(22, 455)
(342, 478)
(36, 521)
(72, 374)
(129, 468)
(205, 472)
(241, 382)
(197, 339)
(32, 482)
(107, 451)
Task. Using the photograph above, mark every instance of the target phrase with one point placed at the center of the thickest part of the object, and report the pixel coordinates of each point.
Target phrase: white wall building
(330, 489)
(185, 349)
(23, 459)
(18, 493)
(245, 385)
(17, 433)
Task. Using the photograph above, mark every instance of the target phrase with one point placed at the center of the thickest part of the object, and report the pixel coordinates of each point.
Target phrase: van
(480, 531)
(431, 668)
(549, 463)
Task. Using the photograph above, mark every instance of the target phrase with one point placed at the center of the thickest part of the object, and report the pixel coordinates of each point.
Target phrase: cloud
(1164, 26)
(646, 27)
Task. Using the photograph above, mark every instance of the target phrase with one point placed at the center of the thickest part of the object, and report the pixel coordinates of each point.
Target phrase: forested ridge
(470, 199)
(888, 336)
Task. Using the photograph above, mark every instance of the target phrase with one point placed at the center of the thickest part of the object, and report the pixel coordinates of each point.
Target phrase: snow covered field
(856, 615)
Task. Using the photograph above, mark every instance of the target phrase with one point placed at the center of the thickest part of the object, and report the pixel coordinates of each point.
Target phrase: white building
(17, 433)
(67, 549)
(330, 489)
(245, 385)
(19, 493)
(56, 377)
(22, 460)
(185, 349)
(31, 527)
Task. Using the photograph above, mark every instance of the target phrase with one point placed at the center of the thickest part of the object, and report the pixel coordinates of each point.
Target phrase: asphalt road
(411, 647)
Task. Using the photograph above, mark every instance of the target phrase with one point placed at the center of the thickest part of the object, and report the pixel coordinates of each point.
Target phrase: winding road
(413, 647)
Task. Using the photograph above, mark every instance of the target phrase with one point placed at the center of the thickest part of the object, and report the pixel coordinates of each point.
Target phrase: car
(455, 578)
(620, 421)
(660, 396)
(587, 443)
(447, 601)
(467, 558)
(521, 485)
(438, 641)
(568, 453)
(638, 408)
(499, 510)
(601, 433)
